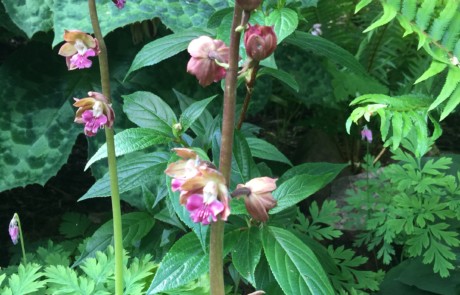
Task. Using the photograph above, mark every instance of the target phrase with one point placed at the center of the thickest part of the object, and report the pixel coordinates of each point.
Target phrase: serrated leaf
(131, 140)
(193, 112)
(26, 281)
(452, 80)
(132, 173)
(436, 67)
(243, 166)
(319, 168)
(299, 188)
(284, 20)
(246, 253)
(63, 280)
(326, 48)
(135, 226)
(74, 225)
(202, 124)
(147, 110)
(295, 267)
(362, 4)
(184, 262)
(264, 150)
(165, 47)
(175, 14)
(452, 103)
(282, 76)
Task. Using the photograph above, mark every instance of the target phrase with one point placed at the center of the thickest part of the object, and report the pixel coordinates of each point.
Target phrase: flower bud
(260, 42)
(249, 5)
(258, 196)
(13, 230)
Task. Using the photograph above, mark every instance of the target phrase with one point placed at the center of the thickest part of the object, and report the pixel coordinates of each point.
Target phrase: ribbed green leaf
(452, 103)
(293, 264)
(184, 262)
(149, 111)
(193, 112)
(165, 47)
(326, 48)
(201, 125)
(132, 173)
(264, 150)
(243, 166)
(440, 24)
(135, 226)
(282, 76)
(246, 254)
(452, 80)
(131, 140)
(424, 14)
(318, 168)
(389, 13)
(284, 20)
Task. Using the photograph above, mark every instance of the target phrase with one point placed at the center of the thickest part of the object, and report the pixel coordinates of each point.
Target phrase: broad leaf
(184, 262)
(284, 20)
(282, 76)
(149, 111)
(193, 112)
(165, 47)
(135, 226)
(132, 172)
(31, 16)
(319, 168)
(202, 124)
(131, 140)
(264, 150)
(243, 165)
(293, 264)
(246, 254)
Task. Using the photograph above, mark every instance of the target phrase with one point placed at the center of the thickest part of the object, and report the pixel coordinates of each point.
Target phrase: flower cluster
(202, 188)
(78, 47)
(95, 112)
(13, 230)
(258, 196)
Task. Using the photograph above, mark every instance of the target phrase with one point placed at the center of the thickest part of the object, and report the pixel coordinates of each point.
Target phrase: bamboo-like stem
(116, 210)
(16, 216)
(228, 125)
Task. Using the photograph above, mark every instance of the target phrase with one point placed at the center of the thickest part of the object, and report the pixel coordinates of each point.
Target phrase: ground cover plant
(209, 139)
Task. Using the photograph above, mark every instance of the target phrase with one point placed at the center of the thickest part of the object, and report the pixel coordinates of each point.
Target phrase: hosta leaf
(131, 140)
(264, 150)
(246, 253)
(293, 264)
(184, 262)
(135, 226)
(149, 111)
(132, 173)
(175, 14)
(165, 47)
(284, 21)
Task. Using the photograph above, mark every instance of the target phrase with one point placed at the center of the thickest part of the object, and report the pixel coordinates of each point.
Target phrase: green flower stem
(228, 126)
(116, 210)
(16, 216)
(249, 88)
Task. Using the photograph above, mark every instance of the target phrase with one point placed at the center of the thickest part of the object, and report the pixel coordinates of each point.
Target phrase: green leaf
(285, 22)
(184, 262)
(319, 168)
(282, 76)
(165, 47)
(293, 264)
(389, 13)
(132, 173)
(193, 112)
(246, 254)
(299, 188)
(362, 4)
(131, 140)
(434, 69)
(175, 14)
(451, 104)
(135, 226)
(26, 281)
(452, 80)
(64, 280)
(31, 16)
(264, 150)
(149, 111)
(202, 125)
(243, 166)
(326, 48)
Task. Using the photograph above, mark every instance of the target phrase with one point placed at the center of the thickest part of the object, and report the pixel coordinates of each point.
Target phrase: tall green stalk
(24, 258)
(116, 210)
(225, 159)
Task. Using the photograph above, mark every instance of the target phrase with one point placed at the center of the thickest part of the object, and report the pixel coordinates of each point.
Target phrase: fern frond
(26, 281)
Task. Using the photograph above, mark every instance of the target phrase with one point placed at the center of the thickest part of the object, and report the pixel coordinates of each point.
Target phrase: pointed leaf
(285, 22)
(282, 76)
(452, 80)
(246, 254)
(264, 150)
(193, 112)
(389, 13)
(293, 264)
(435, 68)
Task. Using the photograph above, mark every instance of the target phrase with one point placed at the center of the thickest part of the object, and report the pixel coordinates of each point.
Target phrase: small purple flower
(81, 61)
(119, 3)
(92, 122)
(13, 229)
(366, 134)
(202, 211)
(316, 30)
